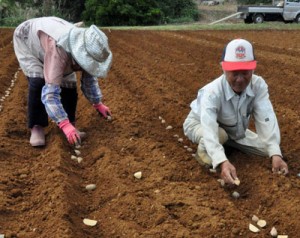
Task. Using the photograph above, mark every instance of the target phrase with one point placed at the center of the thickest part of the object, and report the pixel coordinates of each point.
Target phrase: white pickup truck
(287, 11)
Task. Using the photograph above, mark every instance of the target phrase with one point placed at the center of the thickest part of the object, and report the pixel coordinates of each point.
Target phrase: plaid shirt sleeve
(90, 88)
(51, 100)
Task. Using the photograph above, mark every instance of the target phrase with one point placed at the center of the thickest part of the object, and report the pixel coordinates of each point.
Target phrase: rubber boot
(37, 137)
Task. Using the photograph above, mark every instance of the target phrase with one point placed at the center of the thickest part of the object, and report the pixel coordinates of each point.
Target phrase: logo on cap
(240, 52)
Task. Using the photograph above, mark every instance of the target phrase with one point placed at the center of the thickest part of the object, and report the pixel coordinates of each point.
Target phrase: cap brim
(231, 66)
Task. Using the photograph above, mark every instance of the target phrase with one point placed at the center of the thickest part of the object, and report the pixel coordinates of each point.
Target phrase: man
(50, 50)
(220, 115)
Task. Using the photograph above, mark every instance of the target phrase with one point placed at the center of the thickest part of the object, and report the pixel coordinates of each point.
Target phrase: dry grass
(213, 13)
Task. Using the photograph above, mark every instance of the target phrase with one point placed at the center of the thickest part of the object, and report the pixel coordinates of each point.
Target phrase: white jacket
(217, 105)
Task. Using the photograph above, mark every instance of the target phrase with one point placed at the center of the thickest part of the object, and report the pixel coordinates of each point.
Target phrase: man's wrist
(276, 157)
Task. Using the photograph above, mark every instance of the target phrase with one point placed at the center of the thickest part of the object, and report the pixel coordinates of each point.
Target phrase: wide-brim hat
(238, 55)
(89, 47)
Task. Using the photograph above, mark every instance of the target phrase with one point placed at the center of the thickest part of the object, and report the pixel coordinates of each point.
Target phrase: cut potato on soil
(73, 157)
(255, 218)
(79, 159)
(253, 228)
(90, 187)
(273, 232)
(77, 152)
(138, 175)
(261, 223)
(235, 194)
(169, 127)
(89, 222)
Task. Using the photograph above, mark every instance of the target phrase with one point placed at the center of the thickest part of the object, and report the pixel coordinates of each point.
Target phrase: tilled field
(155, 74)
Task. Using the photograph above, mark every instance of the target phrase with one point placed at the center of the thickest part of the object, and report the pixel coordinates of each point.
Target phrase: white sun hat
(238, 55)
(89, 47)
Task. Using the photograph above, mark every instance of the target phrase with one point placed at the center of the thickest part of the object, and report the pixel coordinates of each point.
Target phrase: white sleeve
(266, 124)
(209, 105)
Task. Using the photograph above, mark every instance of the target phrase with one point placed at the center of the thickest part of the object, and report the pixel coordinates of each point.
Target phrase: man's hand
(228, 172)
(102, 109)
(70, 131)
(278, 165)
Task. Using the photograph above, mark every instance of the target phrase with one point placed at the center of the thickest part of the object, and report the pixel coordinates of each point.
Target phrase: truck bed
(263, 9)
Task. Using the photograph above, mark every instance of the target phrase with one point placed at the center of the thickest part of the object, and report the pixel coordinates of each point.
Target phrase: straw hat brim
(79, 52)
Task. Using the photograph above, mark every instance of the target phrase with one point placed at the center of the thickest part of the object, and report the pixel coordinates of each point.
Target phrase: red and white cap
(238, 55)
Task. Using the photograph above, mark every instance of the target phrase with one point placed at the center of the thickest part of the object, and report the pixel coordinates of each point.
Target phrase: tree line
(101, 12)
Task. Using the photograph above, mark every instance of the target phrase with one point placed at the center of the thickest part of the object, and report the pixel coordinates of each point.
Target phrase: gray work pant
(251, 144)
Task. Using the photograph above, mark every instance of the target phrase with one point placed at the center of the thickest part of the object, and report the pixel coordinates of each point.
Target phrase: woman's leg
(37, 115)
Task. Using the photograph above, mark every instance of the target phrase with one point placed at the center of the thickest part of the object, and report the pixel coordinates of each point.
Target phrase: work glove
(103, 110)
(70, 131)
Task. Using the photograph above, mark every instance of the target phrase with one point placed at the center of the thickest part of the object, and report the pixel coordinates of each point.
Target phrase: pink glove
(104, 110)
(70, 132)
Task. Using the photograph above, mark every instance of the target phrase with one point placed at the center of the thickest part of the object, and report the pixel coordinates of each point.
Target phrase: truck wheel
(297, 19)
(259, 18)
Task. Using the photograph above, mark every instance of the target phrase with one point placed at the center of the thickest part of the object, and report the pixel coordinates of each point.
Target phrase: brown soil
(154, 74)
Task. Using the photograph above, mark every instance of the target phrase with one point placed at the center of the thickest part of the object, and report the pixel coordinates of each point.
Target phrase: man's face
(239, 79)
